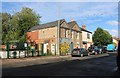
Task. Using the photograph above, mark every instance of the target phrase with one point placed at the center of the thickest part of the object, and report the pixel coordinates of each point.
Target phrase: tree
(6, 17)
(101, 37)
(25, 19)
(14, 27)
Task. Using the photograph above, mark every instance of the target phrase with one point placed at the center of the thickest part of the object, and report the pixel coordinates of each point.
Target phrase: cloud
(113, 32)
(88, 10)
(113, 23)
(60, 0)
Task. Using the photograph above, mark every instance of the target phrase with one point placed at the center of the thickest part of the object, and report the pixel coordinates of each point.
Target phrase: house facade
(46, 37)
(115, 41)
(76, 35)
(86, 37)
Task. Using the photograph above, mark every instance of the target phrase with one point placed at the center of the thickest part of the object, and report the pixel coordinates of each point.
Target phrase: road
(102, 66)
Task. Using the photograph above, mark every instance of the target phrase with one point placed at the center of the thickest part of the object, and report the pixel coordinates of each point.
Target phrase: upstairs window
(77, 35)
(72, 34)
(66, 33)
(88, 35)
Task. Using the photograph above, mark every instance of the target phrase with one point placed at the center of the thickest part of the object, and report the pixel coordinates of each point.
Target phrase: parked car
(118, 56)
(91, 49)
(104, 49)
(100, 49)
(116, 48)
(94, 50)
(79, 52)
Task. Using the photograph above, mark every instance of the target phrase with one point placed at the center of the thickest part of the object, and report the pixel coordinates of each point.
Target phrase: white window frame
(72, 34)
(77, 35)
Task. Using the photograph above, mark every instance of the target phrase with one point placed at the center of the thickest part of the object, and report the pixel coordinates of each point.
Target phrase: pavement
(22, 62)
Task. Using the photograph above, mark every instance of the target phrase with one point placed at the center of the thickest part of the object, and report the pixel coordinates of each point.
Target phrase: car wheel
(81, 55)
(96, 53)
(88, 54)
(73, 55)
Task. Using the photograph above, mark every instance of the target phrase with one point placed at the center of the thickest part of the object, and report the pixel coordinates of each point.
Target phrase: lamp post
(58, 30)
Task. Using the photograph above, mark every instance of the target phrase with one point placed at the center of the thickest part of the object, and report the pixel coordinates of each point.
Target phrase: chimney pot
(72, 20)
(84, 27)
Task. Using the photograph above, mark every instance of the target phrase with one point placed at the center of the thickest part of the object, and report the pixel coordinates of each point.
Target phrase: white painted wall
(84, 36)
(53, 48)
(45, 47)
(3, 54)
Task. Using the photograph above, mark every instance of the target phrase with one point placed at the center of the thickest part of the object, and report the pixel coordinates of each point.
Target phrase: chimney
(72, 20)
(84, 27)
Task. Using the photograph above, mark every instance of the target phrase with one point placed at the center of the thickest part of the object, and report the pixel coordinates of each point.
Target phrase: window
(88, 35)
(66, 33)
(78, 44)
(72, 34)
(77, 35)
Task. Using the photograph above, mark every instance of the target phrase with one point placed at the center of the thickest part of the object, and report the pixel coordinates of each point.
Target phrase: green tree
(14, 27)
(24, 20)
(101, 37)
(6, 17)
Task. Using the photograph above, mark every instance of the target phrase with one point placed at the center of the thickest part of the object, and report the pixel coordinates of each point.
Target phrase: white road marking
(115, 69)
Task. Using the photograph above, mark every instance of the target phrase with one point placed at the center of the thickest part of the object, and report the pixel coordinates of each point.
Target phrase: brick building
(45, 36)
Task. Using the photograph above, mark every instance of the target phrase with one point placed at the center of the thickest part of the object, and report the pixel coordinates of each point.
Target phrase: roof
(46, 25)
(72, 23)
(54, 24)
(116, 38)
(85, 30)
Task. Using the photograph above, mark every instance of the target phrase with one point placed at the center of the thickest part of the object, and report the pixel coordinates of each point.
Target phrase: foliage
(14, 27)
(5, 26)
(101, 37)
(64, 48)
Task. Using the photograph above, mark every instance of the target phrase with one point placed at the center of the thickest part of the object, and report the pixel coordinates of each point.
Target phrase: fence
(19, 50)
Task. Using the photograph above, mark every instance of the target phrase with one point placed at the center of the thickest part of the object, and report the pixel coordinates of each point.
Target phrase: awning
(84, 42)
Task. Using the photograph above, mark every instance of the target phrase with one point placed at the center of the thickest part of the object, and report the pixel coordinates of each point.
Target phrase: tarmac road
(99, 66)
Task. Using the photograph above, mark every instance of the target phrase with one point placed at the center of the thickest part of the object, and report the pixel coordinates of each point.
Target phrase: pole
(58, 28)
(7, 48)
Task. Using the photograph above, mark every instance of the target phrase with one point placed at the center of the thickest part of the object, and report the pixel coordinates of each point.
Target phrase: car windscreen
(76, 49)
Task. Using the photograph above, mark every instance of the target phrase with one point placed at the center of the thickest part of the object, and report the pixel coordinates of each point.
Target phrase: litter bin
(14, 54)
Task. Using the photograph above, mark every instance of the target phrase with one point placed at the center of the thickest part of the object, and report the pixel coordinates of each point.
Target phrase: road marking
(115, 69)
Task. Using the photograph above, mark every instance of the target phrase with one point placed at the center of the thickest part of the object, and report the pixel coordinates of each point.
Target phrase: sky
(91, 14)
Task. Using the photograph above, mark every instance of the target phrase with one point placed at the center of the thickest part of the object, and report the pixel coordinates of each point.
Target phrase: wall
(32, 36)
(84, 38)
(48, 33)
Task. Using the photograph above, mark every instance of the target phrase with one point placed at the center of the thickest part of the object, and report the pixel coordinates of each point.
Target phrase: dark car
(91, 49)
(94, 50)
(104, 49)
(79, 52)
(118, 56)
(100, 49)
